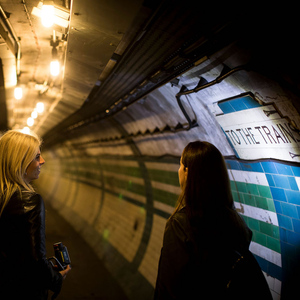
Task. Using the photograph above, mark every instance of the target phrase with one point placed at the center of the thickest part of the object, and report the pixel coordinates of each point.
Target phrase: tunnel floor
(88, 279)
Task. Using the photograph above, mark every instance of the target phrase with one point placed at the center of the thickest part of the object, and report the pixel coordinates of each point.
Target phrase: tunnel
(139, 81)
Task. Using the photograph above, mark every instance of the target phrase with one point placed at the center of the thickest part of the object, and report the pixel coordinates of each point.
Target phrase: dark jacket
(25, 272)
(196, 262)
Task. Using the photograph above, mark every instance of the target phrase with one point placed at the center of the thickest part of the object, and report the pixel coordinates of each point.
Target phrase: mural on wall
(265, 182)
(261, 132)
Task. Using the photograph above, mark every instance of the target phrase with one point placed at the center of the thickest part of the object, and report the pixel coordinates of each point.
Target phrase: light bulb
(34, 114)
(18, 93)
(26, 130)
(54, 68)
(40, 107)
(30, 122)
(47, 15)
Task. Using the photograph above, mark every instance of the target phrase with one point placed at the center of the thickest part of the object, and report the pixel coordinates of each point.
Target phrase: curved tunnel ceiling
(116, 53)
(171, 39)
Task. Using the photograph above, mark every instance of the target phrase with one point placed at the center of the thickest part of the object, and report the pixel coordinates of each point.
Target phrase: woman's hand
(65, 271)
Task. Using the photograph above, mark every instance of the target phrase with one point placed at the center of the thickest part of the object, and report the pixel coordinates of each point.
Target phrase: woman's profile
(25, 273)
(205, 238)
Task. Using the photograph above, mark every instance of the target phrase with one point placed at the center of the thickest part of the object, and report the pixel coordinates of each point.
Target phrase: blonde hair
(17, 150)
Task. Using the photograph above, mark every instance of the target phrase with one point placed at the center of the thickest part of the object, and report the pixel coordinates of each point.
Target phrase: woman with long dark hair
(205, 238)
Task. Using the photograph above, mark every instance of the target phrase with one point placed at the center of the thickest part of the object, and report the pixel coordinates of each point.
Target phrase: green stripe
(264, 233)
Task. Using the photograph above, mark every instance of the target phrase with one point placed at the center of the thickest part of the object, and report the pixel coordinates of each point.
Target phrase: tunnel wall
(116, 181)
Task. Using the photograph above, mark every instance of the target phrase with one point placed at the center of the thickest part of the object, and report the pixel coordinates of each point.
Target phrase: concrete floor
(88, 279)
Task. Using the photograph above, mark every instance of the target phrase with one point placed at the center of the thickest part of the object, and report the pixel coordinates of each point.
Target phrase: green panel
(237, 197)
(266, 228)
(264, 191)
(252, 189)
(233, 185)
(249, 199)
(273, 244)
(112, 183)
(261, 202)
(130, 171)
(271, 205)
(253, 224)
(241, 187)
(167, 177)
(164, 197)
(259, 238)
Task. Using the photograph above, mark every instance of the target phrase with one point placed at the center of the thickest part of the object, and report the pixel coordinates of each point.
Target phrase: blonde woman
(25, 272)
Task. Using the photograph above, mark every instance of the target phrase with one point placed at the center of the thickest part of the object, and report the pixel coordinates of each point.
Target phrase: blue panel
(238, 104)
(296, 171)
(254, 167)
(293, 183)
(298, 209)
(270, 180)
(287, 249)
(250, 102)
(289, 210)
(226, 107)
(284, 169)
(262, 262)
(278, 206)
(269, 167)
(283, 237)
(285, 222)
(233, 164)
(281, 181)
(278, 194)
(275, 271)
(269, 268)
(293, 197)
(293, 238)
(296, 224)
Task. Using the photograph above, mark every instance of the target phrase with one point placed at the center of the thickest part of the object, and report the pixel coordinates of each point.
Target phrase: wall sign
(261, 132)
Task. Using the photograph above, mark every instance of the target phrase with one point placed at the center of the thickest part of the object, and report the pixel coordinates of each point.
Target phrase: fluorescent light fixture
(30, 122)
(40, 107)
(54, 68)
(18, 93)
(47, 15)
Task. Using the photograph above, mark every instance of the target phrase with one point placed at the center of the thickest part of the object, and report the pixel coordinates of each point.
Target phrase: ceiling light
(18, 93)
(47, 15)
(54, 67)
(26, 130)
(30, 122)
(40, 107)
(34, 114)
(61, 15)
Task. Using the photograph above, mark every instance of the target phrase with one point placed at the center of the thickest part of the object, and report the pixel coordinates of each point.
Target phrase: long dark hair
(207, 188)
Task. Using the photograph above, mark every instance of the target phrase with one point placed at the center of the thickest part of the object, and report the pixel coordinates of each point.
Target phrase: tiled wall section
(108, 202)
(267, 195)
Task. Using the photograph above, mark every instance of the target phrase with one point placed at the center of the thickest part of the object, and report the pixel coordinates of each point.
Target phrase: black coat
(25, 273)
(196, 263)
